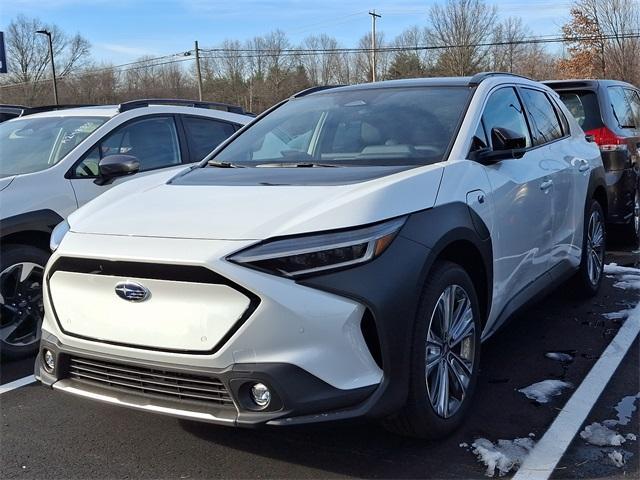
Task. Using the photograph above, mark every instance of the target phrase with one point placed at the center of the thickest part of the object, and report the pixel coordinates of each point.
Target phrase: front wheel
(445, 356)
(21, 305)
(589, 277)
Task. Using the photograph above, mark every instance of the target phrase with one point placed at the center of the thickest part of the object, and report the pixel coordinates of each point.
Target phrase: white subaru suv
(55, 161)
(342, 256)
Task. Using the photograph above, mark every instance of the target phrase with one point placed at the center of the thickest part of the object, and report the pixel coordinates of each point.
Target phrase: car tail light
(607, 140)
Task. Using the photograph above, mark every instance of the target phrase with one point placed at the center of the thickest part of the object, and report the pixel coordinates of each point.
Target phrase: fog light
(49, 361)
(260, 395)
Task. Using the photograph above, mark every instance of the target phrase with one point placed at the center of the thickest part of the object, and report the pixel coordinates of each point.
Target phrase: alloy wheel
(21, 306)
(595, 247)
(450, 351)
(636, 213)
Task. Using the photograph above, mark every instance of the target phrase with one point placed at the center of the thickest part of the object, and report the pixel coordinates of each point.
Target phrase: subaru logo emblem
(132, 291)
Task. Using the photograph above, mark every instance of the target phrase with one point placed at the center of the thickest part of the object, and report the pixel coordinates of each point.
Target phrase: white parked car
(53, 162)
(343, 256)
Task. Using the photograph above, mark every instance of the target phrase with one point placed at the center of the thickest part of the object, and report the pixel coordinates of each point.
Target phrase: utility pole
(374, 16)
(198, 72)
(53, 66)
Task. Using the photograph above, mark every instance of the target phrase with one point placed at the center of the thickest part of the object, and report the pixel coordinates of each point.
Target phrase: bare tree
(462, 25)
(509, 51)
(28, 54)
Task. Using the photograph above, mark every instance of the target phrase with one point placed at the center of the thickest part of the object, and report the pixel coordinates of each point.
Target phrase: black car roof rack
(126, 106)
(479, 77)
(19, 109)
(318, 88)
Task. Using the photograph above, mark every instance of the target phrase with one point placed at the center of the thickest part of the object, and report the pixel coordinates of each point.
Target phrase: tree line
(460, 37)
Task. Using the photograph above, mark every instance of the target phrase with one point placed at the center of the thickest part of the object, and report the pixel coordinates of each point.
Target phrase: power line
(248, 53)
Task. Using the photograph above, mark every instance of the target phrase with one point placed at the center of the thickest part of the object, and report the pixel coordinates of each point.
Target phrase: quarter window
(205, 134)
(621, 108)
(634, 101)
(153, 141)
(504, 110)
(545, 125)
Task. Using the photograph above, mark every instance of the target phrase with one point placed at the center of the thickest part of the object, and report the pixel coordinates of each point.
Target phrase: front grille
(147, 381)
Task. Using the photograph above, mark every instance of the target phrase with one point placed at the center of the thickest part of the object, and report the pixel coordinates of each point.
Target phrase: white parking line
(21, 382)
(542, 460)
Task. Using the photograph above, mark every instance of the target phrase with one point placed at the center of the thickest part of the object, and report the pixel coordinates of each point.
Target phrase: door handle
(583, 166)
(546, 185)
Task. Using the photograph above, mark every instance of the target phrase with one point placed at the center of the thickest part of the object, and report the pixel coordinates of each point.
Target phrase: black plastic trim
(176, 273)
(38, 220)
(391, 285)
(295, 392)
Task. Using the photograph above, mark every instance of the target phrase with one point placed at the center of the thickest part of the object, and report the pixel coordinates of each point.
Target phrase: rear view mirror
(115, 166)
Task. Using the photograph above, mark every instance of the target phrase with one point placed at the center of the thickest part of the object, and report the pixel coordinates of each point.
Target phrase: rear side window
(621, 108)
(205, 134)
(583, 105)
(504, 110)
(634, 101)
(545, 124)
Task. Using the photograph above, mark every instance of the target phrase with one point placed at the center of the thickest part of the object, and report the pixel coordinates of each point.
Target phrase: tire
(424, 416)
(632, 229)
(21, 305)
(589, 277)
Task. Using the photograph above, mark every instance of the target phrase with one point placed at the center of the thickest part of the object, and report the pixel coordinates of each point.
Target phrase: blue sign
(3, 55)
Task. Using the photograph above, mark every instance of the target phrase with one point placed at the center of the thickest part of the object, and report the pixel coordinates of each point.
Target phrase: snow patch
(628, 282)
(504, 455)
(614, 268)
(616, 458)
(625, 408)
(630, 436)
(622, 314)
(463, 445)
(559, 356)
(601, 436)
(542, 392)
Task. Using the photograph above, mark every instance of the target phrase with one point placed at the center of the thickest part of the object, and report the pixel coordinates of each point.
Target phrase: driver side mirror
(507, 145)
(115, 166)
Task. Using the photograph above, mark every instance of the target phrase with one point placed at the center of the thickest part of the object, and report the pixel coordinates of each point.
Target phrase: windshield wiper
(297, 165)
(213, 163)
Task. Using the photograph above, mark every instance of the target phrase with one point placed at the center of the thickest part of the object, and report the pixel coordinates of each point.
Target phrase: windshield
(32, 144)
(378, 126)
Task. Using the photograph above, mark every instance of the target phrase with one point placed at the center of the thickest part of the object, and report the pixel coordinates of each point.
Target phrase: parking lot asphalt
(47, 434)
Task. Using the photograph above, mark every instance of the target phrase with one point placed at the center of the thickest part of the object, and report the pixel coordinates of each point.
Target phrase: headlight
(307, 254)
(58, 234)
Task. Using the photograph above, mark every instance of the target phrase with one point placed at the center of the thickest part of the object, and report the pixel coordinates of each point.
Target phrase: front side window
(545, 125)
(504, 110)
(621, 108)
(153, 141)
(366, 126)
(30, 145)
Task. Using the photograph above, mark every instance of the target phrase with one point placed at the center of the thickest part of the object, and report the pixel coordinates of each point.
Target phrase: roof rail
(479, 77)
(315, 89)
(16, 109)
(126, 106)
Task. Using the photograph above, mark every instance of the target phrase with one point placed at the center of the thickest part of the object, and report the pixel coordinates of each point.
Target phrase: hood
(5, 182)
(159, 206)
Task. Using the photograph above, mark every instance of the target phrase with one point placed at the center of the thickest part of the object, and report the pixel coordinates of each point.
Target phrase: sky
(123, 30)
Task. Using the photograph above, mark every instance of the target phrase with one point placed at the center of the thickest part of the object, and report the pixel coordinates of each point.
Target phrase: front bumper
(297, 396)
(335, 346)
